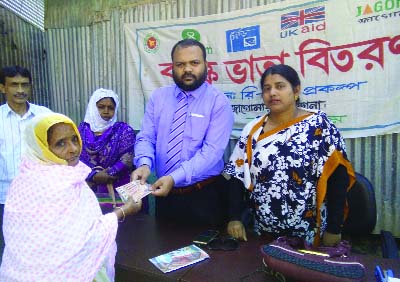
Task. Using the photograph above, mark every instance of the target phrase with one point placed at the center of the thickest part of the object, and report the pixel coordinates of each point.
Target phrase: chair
(362, 208)
(362, 215)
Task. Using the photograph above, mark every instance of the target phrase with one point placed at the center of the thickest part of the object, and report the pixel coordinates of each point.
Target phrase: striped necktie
(176, 134)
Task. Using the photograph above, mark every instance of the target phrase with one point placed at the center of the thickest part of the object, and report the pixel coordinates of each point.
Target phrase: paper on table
(179, 258)
(134, 189)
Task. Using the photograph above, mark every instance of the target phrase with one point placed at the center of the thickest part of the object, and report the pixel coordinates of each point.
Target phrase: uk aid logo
(303, 21)
(243, 39)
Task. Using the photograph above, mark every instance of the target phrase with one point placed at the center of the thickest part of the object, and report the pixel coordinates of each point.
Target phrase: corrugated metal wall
(81, 59)
(378, 158)
(21, 43)
(30, 10)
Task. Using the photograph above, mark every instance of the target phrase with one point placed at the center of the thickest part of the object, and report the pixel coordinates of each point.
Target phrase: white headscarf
(92, 117)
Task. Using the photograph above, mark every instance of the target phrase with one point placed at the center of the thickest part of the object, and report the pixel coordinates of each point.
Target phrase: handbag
(293, 259)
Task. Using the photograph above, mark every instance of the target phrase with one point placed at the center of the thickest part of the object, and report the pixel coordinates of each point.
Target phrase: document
(179, 258)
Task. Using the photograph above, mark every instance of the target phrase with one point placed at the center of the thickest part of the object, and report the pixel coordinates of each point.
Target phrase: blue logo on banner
(242, 39)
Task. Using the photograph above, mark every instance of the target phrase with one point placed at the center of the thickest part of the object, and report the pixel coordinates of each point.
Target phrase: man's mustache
(187, 75)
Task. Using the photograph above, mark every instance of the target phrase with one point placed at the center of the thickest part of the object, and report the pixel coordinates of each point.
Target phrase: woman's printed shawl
(53, 226)
(112, 150)
(286, 171)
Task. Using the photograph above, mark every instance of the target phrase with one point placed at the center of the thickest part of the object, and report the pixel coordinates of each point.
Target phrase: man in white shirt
(16, 85)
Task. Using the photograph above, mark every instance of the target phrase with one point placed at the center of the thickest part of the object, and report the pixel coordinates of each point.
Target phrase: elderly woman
(53, 226)
(293, 163)
(107, 145)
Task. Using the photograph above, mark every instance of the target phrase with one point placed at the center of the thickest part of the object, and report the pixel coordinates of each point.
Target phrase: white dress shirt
(11, 128)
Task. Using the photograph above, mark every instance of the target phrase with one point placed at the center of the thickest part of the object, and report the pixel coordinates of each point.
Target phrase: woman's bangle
(123, 214)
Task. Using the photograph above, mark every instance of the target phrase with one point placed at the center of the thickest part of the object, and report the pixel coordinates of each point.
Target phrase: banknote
(134, 189)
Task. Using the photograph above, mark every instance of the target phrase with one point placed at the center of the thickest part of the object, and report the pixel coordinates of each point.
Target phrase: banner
(347, 53)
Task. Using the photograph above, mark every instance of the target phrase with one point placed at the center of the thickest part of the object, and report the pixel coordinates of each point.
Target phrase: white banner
(347, 53)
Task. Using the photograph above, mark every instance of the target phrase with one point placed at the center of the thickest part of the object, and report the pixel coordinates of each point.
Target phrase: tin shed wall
(22, 44)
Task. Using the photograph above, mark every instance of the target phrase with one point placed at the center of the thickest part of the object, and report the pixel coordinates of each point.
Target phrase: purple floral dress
(112, 150)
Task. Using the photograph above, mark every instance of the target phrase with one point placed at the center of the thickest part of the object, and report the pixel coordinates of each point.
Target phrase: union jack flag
(302, 17)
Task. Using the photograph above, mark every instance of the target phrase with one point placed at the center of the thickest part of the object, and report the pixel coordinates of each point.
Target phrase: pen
(379, 274)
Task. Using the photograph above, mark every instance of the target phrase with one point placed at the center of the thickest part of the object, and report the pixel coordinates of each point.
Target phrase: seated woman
(107, 146)
(293, 163)
(53, 226)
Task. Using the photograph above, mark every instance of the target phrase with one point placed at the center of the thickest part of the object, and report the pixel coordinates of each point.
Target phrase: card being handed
(134, 189)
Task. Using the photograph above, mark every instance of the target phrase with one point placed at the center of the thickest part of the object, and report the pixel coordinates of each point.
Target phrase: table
(142, 237)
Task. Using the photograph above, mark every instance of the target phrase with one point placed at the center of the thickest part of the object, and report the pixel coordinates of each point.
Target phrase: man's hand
(102, 177)
(141, 173)
(163, 186)
(330, 239)
(236, 229)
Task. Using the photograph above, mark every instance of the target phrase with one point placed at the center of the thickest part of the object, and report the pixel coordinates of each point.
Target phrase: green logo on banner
(151, 43)
(191, 34)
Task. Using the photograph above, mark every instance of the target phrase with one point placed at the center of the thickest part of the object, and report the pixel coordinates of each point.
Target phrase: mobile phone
(206, 236)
